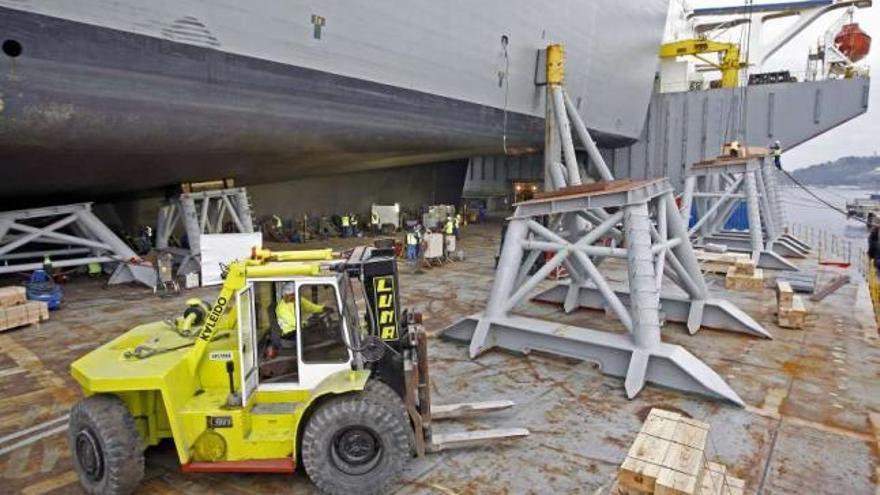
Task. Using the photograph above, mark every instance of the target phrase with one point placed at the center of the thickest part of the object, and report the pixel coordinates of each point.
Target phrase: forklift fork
(422, 412)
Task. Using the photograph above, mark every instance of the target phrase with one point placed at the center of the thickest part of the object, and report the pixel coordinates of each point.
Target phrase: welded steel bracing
(656, 242)
(724, 184)
(69, 235)
(198, 213)
(586, 226)
(590, 210)
(787, 239)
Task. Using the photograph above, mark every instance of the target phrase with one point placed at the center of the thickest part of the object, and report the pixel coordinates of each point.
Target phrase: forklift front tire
(105, 446)
(355, 445)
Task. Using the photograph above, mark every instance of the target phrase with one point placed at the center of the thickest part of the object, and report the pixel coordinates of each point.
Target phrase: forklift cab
(320, 345)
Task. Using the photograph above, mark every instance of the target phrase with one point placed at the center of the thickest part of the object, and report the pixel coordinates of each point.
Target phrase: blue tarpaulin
(739, 219)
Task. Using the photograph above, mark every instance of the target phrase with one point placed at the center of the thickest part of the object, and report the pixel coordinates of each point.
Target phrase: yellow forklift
(346, 393)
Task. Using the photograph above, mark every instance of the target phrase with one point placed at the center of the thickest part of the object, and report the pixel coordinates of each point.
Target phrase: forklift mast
(377, 270)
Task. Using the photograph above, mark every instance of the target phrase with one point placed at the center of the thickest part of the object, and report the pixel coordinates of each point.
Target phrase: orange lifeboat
(853, 42)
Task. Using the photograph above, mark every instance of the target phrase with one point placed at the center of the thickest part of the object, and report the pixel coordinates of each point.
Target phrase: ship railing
(832, 249)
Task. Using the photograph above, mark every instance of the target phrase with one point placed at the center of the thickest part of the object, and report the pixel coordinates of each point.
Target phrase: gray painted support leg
(755, 226)
(687, 198)
(644, 299)
(502, 286)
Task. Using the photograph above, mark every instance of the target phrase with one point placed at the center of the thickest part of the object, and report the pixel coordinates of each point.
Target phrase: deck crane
(729, 64)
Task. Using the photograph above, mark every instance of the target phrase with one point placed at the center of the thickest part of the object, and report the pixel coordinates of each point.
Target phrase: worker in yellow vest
(412, 245)
(449, 227)
(776, 150)
(374, 223)
(346, 225)
(285, 311)
(457, 226)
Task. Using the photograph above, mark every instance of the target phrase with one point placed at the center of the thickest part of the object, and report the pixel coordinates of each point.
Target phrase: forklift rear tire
(105, 446)
(356, 445)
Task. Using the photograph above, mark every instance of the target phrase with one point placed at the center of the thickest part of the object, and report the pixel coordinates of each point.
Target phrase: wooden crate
(739, 281)
(23, 314)
(12, 296)
(794, 316)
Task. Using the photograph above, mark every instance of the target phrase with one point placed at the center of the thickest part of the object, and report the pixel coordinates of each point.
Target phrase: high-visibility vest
(457, 221)
(450, 227)
(411, 239)
(345, 221)
(285, 312)
(374, 219)
(777, 151)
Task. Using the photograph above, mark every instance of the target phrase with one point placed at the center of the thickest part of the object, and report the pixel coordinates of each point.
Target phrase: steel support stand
(655, 242)
(197, 213)
(587, 223)
(744, 181)
(71, 235)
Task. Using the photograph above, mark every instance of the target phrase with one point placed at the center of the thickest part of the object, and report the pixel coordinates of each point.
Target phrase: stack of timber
(719, 262)
(17, 311)
(790, 310)
(744, 276)
(668, 457)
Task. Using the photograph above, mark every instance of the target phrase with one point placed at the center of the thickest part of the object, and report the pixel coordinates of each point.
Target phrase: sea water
(804, 210)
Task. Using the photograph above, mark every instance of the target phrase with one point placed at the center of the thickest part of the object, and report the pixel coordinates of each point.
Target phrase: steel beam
(665, 364)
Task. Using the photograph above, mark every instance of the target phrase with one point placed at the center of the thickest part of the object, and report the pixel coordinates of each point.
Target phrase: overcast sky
(860, 136)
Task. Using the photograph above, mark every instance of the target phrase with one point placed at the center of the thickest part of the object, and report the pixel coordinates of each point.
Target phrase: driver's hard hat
(288, 289)
(777, 141)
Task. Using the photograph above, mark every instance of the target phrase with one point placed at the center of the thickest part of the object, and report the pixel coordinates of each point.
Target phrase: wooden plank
(660, 426)
(829, 288)
(637, 476)
(649, 449)
(23, 314)
(684, 459)
(663, 413)
(12, 296)
(784, 294)
(591, 189)
(671, 482)
(716, 481)
(692, 435)
(744, 267)
(737, 281)
(794, 317)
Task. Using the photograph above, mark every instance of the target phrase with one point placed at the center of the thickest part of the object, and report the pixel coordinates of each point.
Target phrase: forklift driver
(285, 311)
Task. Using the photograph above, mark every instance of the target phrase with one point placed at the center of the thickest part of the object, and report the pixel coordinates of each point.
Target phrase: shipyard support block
(655, 244)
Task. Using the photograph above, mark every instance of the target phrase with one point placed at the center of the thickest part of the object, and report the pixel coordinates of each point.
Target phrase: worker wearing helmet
(285, 310)
(776, 149)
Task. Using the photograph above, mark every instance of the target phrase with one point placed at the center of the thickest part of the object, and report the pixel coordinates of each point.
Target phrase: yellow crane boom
(729, 64)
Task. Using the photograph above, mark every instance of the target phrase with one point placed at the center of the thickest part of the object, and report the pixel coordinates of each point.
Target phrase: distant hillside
(846, 171)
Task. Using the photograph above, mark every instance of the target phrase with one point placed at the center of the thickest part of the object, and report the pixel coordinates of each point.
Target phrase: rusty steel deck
(806, 428)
